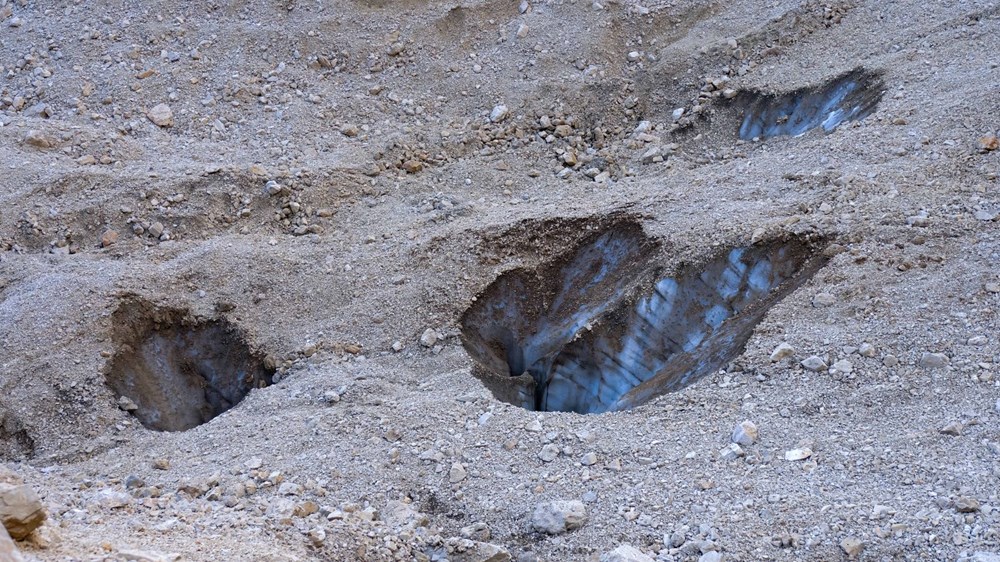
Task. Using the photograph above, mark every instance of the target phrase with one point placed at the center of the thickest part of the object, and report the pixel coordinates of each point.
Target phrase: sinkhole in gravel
(595, 332)
(849, 97)
(177, 372)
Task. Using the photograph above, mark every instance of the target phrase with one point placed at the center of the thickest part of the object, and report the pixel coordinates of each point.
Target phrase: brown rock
(852, 547)
(988, 143)
(8, 550)
(966, 504)
(413, 166)
(161, 115)
(38, 140)
(108, 238)
(21, 510)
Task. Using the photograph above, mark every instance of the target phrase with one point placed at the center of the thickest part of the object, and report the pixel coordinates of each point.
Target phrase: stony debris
(466, 550)
(557, 517)
(814, 363)
(798, 454)
(953, 428)
(21, 510)
(933, 360)
(745, 433)
(625, 553)
(731, 452)
(161, 115)
(852, 547)
(429, 338)
(131, 555)
(965, 504)
(783, 350)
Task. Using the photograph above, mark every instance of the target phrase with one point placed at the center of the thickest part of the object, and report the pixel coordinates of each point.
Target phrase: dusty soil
(332, 179)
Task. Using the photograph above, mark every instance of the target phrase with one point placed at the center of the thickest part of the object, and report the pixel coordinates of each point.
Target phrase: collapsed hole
(573, 337)
(178, 372)
(849, 97)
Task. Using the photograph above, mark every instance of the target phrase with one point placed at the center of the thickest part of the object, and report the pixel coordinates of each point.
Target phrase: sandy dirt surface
(311, 194)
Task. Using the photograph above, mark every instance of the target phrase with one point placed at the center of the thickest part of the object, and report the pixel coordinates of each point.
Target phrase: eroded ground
(333, 187)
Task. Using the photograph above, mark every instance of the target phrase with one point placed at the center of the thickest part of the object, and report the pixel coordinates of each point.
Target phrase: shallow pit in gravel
(179, 372)
(849, 97)
(588, 334)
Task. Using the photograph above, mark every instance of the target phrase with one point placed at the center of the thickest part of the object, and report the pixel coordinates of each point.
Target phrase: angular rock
(933, 360)
(21, 510)
(745, 434)
(966, 504)
(731, 452)
(457, 473)
(814, 363)
(783, 350)
(558, 517)
(161, 115)
(466, 550)
(625, 553)
(402, 515)
(852, 547)
(428, 338)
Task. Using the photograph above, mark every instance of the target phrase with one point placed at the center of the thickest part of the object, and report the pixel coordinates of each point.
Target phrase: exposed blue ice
(847, 98)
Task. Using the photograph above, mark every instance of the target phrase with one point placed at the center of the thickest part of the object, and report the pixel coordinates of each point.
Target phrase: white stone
(814, 363)
(798, 454)
(499, 113)
(783, 350)
(161, 115)
(625, 553)
(731, 452)
(558, 517)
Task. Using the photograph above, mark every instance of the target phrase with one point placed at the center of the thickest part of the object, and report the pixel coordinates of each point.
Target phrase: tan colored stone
(21, 510)
(161, 115)
(108, 238)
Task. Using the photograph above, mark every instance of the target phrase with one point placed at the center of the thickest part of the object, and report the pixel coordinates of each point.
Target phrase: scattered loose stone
(147, 556)
(558, 517)
(21, 510)
(161, 115)
(549, 452)
(499, 113)
(457, 473)
(38, 140)
(783, 350)
(933, 360)
(625, 553)
(890, 361)
(711, 556)
(824, 299)
(428, 338)
(798, 454)
(866, 350)
(852, 547)
(109, 238)
(954, 428)
(814, 363)
(977, 340)
(731, 452)
(966, 504)
(843, 366)
(589, 459)
(745, 433)
(466, 550)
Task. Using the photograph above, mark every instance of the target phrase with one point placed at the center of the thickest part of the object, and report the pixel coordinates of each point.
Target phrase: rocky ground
(338, 181)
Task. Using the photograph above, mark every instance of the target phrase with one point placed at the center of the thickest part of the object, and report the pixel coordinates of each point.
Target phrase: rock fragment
(558, 517)
(428, 338)
(745, 433)
(625, 553)
(953, 428)
(457, 473)
(731, 452)
(798, 454)
(852, 547)
(21, 510)
(814, 363)
(965, 504)
(933, 360)
(783, 350)
(161, 115)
